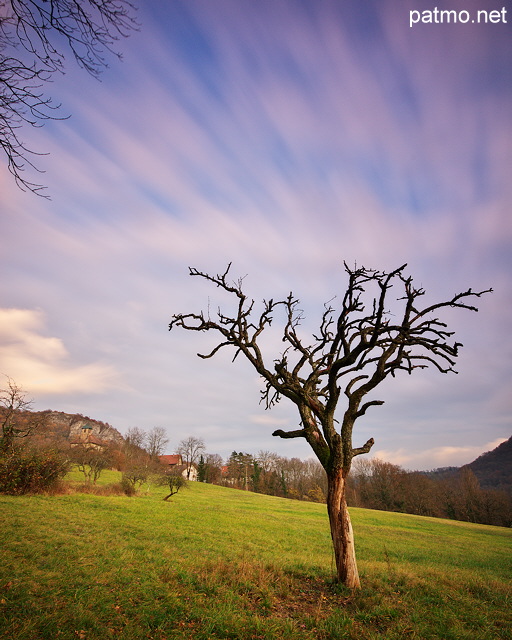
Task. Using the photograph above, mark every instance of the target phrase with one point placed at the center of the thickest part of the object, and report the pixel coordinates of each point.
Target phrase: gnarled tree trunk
(341, 530)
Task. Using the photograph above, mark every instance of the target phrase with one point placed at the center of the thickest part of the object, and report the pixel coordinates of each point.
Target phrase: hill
(494, 468)
(218, 563)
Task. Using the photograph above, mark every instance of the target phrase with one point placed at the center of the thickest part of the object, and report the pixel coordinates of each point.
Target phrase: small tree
(369, 338)
(91, 462)
(213, 468)
(140, 469)
(136, 475)
(174, 481)
(16, 420)
(201, 470)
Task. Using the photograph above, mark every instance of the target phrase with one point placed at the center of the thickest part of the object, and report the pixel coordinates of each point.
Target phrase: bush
(128, 487)
(316, 494)
(24, 472)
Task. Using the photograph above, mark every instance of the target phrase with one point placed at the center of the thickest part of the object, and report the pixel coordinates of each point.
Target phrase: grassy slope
(219, 563)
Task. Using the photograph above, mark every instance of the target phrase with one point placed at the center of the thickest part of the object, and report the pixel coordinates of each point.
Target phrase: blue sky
(283, 136)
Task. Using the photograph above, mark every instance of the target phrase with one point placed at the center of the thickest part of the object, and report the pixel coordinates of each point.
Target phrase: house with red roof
(174, 463)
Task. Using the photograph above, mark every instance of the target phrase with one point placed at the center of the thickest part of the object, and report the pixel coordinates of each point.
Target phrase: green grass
(218, 563)
(76, 477)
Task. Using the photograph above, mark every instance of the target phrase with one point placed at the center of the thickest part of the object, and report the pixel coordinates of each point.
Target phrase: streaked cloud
(283, 137)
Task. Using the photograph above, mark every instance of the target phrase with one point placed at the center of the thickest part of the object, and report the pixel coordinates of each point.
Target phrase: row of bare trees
(456, 494)
(372, 484)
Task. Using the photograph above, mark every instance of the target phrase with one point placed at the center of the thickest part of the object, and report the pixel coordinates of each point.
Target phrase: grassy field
(219, 563)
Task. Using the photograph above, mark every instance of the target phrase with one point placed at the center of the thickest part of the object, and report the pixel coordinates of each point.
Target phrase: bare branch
(30, 55)
(16, 419)
(364, 449)
(367, 405)
(298, 433)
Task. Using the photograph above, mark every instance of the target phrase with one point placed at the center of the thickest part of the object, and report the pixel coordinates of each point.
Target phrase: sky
(284, 137)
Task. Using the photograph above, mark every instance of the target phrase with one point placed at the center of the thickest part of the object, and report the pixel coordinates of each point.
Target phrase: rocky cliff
(70, 426)
(62, 427)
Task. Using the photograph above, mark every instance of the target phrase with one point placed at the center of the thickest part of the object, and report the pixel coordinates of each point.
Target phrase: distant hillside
(66, 426)
(494, 468)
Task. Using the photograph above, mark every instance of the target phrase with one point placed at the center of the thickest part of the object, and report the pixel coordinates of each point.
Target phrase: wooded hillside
(494, 468)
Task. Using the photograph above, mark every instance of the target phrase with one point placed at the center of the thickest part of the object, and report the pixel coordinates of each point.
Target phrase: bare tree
(16, 419)
(141, 469)
(32, 33)
(91, 461)
(267, 460)
(136, 438)
(190, 450)
(156, 441)
(381, 485)
(356, 348)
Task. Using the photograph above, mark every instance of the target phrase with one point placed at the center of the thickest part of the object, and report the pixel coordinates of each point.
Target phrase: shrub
(128, 487)
(24, 472)
(316, 494)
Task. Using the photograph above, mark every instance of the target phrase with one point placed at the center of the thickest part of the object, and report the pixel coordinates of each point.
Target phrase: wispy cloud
(436, 457)
(42, 363)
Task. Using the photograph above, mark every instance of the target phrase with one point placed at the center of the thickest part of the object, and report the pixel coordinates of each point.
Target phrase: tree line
(455, 494)
(372, 484)
(267, 473)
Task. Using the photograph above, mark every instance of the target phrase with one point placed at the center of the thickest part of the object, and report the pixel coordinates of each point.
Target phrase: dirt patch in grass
(309, 597)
